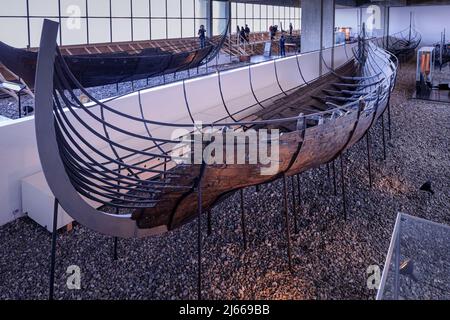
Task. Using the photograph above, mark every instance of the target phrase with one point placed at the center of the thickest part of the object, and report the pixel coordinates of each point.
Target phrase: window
(141, 8)
(71, 8)
(13, 8)
(18, 38)
(187, 9)
(121, 29)
(174, 28)
(141, 29)
(99, 30)
(158, 9)
(200, 9)
(173, 9)
(188, 28)
(50, 9)
(73, 32)
(158, 28)
(98, 8)
(121, 8)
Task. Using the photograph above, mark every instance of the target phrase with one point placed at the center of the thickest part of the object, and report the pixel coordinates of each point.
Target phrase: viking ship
(313, 106)
(442, 52)
(97, 69)
(404, 43)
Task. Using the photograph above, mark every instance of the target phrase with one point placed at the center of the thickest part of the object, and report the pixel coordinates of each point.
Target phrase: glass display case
(418, 261)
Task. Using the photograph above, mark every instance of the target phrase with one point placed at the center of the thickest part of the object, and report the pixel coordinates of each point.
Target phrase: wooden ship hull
(104, 64)
(404, 43)
(135, 186)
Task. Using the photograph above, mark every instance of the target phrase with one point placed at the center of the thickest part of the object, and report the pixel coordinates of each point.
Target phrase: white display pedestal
(38, 202)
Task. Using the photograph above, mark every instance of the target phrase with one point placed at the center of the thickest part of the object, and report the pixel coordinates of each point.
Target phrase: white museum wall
(347, 18)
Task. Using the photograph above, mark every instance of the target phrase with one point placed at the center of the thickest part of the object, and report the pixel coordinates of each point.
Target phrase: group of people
(274, 29)
(244, 33)
(244, 36)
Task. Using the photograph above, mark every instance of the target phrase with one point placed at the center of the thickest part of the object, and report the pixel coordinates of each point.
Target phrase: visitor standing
(202, 36)
(247, 33)
(282, 46)
(242, 35)
(291, 29)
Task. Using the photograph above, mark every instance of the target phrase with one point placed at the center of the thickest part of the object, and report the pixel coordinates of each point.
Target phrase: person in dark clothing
(282, 46)
(247, 33)
(242, 35)
(271, 32)
(291, 29)
(202, 36)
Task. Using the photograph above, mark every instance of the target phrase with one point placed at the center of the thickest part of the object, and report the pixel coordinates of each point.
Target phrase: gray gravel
(331, 255)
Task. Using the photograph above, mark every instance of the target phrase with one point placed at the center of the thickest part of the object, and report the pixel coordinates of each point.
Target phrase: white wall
(347, 18)
(430, 21)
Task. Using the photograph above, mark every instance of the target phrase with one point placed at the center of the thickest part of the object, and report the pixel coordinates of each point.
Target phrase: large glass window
(73, 30)
(73, 8)
(13, 8)
(121, 8)
(173, 8)
(98, 21)
(98, 8)
(259, 17)
(141, 8)
(141, 29)
(158, 28)
(18, 38)
(158, 8)
(121, 29)
(49, 8)
(99, 30)
(188, 28)
(187, 8)
(220, 17)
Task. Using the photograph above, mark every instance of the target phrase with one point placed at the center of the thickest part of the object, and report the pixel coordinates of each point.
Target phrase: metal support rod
(115, 248)
(293, 205)
(53, 250)
(199, 242)
(334, 179)
(344, 200)
(389, 121)
(384, 137)
(397, 261)
(286, 215)
(369, 166)
(119, 168)
(244, 231)
(299, 191)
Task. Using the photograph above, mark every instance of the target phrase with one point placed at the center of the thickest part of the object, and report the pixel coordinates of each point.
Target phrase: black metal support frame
(243, 224)
(53, 250)
(199, 242)
(286, 220)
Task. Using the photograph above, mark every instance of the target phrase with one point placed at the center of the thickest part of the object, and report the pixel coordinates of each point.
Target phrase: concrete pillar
(317, 24)
(209, 18)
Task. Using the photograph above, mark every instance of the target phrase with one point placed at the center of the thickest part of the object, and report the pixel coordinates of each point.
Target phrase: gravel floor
(331, 255)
